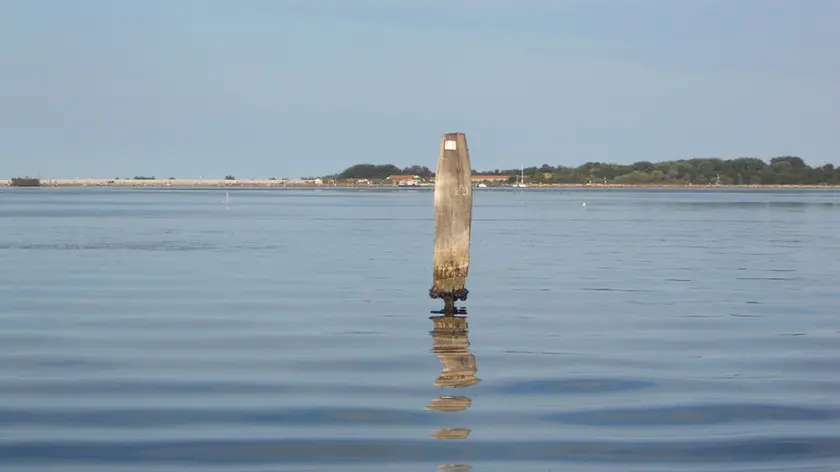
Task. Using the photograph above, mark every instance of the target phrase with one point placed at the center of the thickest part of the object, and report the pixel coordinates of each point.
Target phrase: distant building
(404, 180)
(25, 182)
(490, 178)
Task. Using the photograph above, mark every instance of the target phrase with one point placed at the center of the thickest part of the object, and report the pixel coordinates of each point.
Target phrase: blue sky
(262, 88)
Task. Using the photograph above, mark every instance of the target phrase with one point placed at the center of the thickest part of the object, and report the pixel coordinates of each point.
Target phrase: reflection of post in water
(453, 220)
(451, 345)
(454, 468)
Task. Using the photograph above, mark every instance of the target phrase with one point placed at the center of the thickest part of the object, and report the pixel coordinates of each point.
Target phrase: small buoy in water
(583, 204)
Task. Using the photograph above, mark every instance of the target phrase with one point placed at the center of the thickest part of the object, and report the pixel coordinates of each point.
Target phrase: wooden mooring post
(453, 219)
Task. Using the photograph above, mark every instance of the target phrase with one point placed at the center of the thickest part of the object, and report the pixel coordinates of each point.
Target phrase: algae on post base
(453, 219)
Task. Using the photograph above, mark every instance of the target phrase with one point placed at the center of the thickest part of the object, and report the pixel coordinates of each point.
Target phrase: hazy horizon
(260, 89)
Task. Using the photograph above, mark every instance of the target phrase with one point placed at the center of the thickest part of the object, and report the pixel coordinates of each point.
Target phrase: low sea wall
(186, 183)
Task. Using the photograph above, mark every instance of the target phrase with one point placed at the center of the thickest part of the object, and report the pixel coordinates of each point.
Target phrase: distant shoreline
(267, 183)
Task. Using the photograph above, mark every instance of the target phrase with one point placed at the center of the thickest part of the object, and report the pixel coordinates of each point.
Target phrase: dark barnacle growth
(449, 299)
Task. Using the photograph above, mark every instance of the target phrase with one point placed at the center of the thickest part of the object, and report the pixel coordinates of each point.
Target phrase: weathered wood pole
(453, 219)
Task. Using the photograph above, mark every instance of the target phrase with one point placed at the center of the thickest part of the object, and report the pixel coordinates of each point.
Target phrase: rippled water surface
(289, 330)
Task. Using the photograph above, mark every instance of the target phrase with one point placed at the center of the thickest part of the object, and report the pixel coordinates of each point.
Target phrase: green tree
(420, 171)
(369, 171)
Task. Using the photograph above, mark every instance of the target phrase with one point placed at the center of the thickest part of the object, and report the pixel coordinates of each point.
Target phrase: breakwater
(255, 183)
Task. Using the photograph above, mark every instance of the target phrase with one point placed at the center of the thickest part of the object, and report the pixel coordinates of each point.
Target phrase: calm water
(161, 330)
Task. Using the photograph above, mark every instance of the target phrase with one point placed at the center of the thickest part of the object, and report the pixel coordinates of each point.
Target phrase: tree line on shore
(380, 172)
(785, 170)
